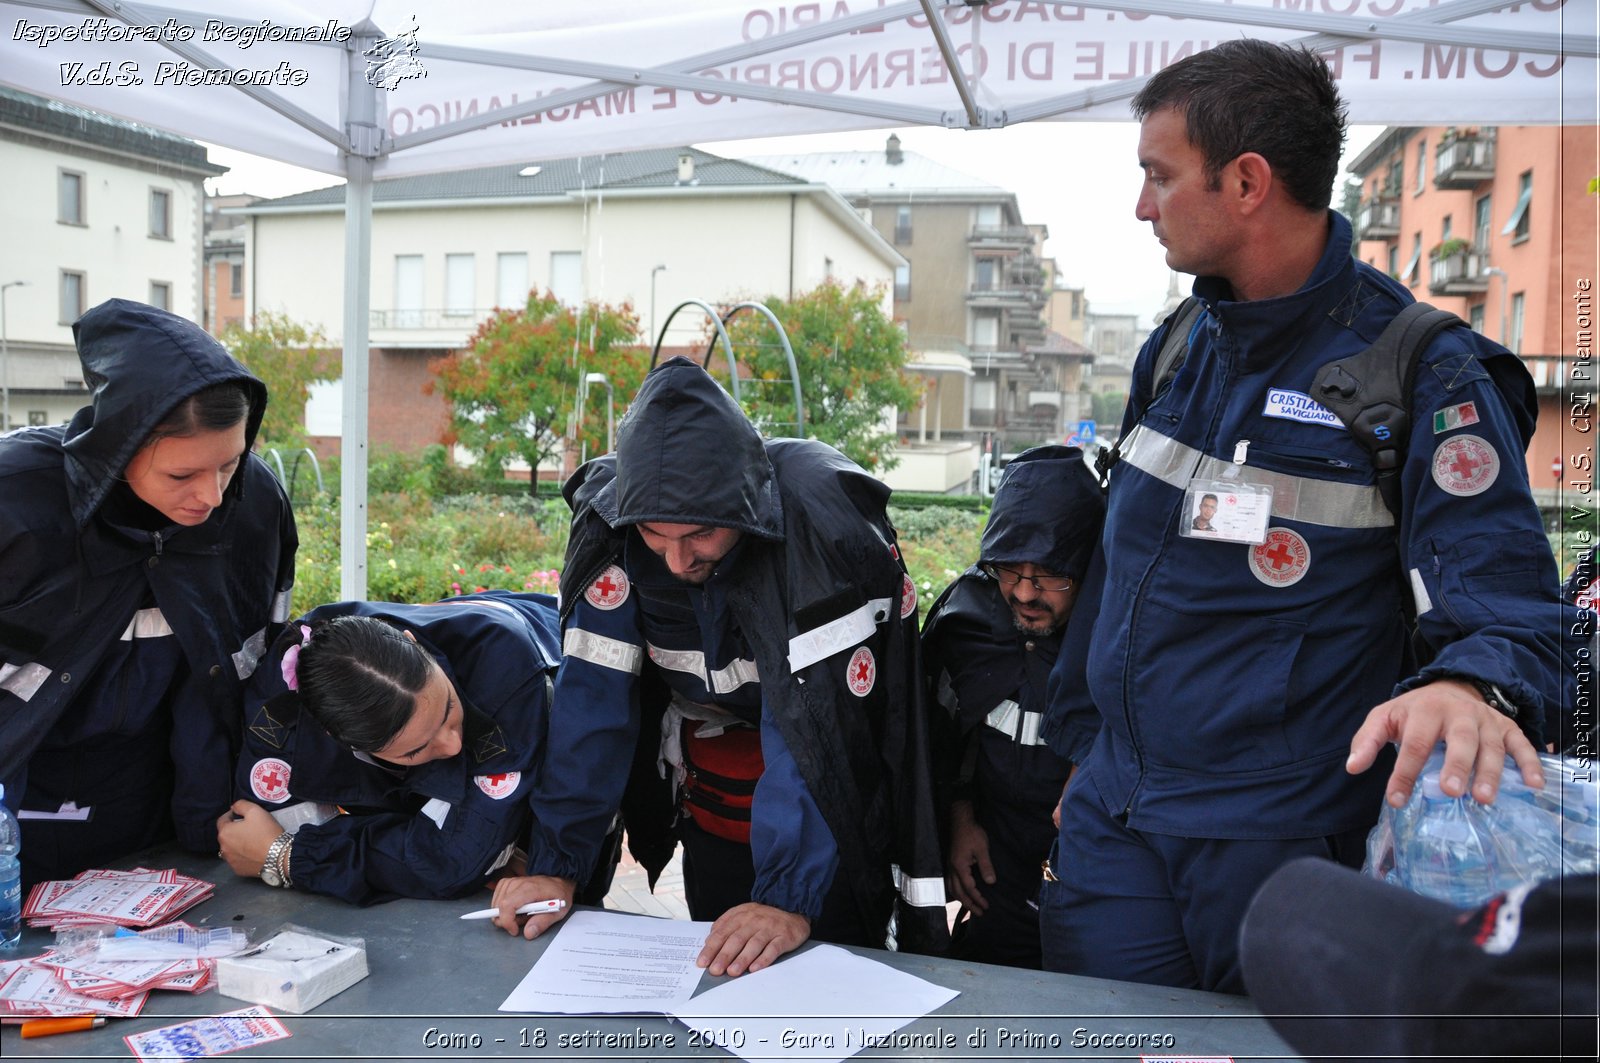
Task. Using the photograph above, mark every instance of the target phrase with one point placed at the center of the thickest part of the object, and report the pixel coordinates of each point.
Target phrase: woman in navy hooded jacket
(146, 558)
(389, 749)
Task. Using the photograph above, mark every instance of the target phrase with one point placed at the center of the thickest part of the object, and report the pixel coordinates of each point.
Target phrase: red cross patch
(609, 590)
(1282, 559)
(1465, 465)
(908, 598)
(498, 786)
(269, 780)
(861, 673)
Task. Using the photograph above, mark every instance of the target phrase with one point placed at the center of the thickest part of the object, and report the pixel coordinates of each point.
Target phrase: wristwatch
(275, 868)
(1496, 698)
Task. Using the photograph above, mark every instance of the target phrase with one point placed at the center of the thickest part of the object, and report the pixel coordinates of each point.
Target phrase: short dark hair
(1208, 495)
(214, 408)
(1248, 95)
(360, 678)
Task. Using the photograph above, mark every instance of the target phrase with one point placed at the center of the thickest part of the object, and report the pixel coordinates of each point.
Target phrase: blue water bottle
(10, 876)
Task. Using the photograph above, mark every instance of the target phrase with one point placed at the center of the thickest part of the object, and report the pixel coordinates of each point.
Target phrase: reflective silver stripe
(606, 652)
(147, 624)
(436, 810)
(736, 674)
(1303, 498)
(249, 655)
(1006, 718)
(280, 606)
(856, 626)
(918, 892)
(1419, 593)
(23, 680)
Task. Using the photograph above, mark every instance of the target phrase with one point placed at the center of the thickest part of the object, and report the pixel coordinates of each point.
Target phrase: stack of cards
(60, 983)
(138, 898)
(295, 969)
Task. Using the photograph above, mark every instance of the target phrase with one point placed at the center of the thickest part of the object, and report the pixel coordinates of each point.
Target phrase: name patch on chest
(1298, 406)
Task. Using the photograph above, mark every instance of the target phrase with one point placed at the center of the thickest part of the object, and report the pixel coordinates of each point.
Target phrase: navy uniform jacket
(72, 581)
(1232, 677)
(438, 829)
(815, 602)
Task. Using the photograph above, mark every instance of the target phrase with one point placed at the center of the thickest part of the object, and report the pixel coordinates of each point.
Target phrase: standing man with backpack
(1248, 682)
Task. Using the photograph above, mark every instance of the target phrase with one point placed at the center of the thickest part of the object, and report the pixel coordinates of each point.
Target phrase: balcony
(1016, 237)
(1460, 271)
(1378, 219)
(1465, 160)
(432, 327)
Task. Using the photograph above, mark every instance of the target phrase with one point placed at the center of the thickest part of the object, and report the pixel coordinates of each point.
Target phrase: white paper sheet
(606, 962)
(824, 1004)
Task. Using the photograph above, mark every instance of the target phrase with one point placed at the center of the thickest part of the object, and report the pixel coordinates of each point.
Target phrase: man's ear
(1248, 181)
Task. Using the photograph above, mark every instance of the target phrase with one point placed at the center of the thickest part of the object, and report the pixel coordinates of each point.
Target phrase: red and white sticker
(1282, 559)
(1465, 465)
(862, 673)
(908, 598)
(609, 590)
(499, 786)
(269, 780)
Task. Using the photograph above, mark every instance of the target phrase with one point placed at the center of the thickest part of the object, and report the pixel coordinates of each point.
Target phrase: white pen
(531, 908)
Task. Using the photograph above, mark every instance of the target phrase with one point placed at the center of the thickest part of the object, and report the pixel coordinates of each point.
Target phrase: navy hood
(687, 454)
(139, 363)
(1047, 512)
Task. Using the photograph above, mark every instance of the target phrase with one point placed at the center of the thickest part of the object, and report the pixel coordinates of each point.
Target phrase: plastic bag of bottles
(1459, 851)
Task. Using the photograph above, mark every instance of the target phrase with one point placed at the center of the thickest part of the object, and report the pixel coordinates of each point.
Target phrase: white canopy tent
(379, 88)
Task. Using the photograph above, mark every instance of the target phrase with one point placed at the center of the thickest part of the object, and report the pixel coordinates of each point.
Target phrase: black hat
(1345, 965)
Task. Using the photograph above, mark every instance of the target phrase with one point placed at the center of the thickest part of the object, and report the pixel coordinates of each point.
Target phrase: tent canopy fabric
(365, 88)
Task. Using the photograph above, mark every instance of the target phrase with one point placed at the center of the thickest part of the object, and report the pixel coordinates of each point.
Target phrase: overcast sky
(1078, 178)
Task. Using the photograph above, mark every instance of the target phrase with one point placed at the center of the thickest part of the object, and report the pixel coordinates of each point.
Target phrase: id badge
(1226, 511)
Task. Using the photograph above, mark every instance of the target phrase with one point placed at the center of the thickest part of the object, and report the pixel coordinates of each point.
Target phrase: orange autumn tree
(513, 388)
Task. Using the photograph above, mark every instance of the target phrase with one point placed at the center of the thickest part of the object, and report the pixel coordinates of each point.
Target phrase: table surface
(435, 984)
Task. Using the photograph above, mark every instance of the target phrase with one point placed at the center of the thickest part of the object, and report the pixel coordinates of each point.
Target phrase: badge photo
(269, 780)
(1227, 511)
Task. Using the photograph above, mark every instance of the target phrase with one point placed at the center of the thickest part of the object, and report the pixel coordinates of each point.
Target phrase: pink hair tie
(291, 660)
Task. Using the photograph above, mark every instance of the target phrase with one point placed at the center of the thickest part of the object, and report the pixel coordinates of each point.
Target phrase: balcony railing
(1464, 160)
(1001, 235)
(1462, 272)
(1378, 219)
(429, 320)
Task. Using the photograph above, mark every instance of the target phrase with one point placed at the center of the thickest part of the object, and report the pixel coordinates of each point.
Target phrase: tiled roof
(868, 172)
(1056, 343)
(635, 169)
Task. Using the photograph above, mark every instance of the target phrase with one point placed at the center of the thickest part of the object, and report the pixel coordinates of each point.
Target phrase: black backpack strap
(1174, 349)
(1370, 392)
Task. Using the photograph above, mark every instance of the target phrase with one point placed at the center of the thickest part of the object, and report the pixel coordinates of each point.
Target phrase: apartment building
(95, 208)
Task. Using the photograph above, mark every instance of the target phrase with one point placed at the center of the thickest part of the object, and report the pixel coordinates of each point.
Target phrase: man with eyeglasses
(989, 643)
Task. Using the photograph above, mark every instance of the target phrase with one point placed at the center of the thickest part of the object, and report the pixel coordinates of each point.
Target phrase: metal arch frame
(788, 354)
(722, 335)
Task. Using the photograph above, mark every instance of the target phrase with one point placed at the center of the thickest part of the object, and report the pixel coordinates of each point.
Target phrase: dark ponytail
(360, 678)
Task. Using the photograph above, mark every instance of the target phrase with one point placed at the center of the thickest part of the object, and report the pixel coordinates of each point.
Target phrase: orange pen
(46, 1027)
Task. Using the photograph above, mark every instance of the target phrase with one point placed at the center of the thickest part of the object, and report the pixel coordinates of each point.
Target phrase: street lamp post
(5, 360)
(611, 420)
(1505, 285)
(653, 273)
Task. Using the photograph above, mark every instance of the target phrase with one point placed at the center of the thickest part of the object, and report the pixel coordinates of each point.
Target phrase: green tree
(288, 357)
(513, 388)
(850, 356)
(1108, 407)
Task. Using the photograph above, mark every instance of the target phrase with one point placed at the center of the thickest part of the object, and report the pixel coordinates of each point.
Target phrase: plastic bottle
(10, 876)
(1438, 851)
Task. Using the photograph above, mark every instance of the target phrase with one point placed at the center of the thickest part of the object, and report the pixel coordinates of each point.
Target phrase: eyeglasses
(1010, 577)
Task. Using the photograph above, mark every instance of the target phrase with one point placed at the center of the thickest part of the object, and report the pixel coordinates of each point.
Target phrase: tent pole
(362, 123)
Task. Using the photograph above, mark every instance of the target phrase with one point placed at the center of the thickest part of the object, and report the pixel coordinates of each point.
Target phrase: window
(566, 276)
(72, 287)
(986, 331)
(409, 287)
(161, 214)
(902, 225)
(38, 417)
(161, 295)
(236, 281)
(1409, 276)
(1394, 261)
(902, 283)
(1444, 233)
(1480, 224)
(511, 279)
(1422, 166)
(69, 197)
(1475, 318)
(1515, 339)
(1517, 224)
(984, 273)
(460, 277)
(989, 216)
